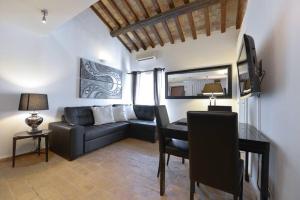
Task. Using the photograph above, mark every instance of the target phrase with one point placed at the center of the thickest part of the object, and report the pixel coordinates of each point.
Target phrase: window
(145, 89)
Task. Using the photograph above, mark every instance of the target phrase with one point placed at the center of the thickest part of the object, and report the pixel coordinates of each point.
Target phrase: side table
(24, 135)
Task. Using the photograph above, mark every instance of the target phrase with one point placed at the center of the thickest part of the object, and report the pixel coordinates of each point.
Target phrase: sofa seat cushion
(142, 122)
(93, 132)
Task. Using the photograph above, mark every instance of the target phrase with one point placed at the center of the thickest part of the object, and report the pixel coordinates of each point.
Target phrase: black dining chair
(229, 109)
(220, 108)
(167, 145)
(214, 153)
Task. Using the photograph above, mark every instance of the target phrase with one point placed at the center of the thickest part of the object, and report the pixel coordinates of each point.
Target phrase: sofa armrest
(65, 140)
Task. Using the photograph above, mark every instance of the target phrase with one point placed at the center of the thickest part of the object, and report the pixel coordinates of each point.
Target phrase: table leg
(46, 147)
(14, 152)
(264, 194)
(162, 173)
(246, 166)
(39, 145)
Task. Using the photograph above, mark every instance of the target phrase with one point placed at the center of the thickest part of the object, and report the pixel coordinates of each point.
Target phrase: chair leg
(158, 170)
(192, 189)
(241, 189)
(182, 160)
(235, 197)
(168, 159)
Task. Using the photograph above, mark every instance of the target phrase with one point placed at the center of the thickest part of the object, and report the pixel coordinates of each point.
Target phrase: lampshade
(213, 88)
(32, 102)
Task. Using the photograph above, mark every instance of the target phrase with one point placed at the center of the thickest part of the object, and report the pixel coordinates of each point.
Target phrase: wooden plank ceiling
(140, 24)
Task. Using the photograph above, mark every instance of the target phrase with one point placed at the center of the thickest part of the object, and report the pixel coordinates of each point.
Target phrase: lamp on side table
(33, 102)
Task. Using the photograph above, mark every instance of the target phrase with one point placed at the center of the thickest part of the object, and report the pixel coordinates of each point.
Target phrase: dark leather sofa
(76, 134)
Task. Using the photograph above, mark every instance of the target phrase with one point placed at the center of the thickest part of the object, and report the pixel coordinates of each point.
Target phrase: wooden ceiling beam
(191, 22)
(109, 14)
(124, 18)
(207, 21)
(166, 27)
(143, 30)
(102, 18)
(156, 6)
(223, 15)
(164, 23)
(152, 27)
(239, 17)
(172, 13)
(171, 4)
(177, 22)
(192, 25)
(150, 41)
(139, 39)
(130, 41)
(178, 26)
(157, 36)
(109, 26)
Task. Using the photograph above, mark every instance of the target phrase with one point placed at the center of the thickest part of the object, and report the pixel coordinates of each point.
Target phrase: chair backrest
(220, 108)
(161, 114)
(162, 120)
(213, 149)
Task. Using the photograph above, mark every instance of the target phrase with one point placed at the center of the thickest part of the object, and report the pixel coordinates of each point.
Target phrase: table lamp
(212, 90)
(33, 102)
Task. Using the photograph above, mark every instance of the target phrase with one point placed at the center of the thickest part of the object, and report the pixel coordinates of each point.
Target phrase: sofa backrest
(82, 115)
(144, 112)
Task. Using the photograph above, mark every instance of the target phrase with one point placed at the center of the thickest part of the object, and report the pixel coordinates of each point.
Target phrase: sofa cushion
(119, 113)
(129, 111)
(142, 122)
(79, 115)
(144, 112)
(93, 132)
(103, 115)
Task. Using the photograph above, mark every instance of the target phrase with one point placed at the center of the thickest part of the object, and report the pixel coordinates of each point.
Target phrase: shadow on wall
(9, 103)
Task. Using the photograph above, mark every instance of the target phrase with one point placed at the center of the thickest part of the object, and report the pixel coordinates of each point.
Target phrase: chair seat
(177, 147)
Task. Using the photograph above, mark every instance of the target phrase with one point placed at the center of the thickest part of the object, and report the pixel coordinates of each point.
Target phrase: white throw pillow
(119, 113)
(103, 115)
(130, 114)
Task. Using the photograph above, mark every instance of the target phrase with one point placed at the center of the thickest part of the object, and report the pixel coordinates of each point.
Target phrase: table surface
(25, 134)
(246, 132)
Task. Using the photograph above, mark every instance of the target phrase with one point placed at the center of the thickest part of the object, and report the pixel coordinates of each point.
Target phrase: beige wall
(275, 28)
(50, 64)
(218, 49)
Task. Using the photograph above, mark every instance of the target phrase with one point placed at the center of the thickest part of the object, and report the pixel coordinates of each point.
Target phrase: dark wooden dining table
(250, 140)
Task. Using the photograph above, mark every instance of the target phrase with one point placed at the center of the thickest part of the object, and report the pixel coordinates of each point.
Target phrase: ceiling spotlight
(44, 13)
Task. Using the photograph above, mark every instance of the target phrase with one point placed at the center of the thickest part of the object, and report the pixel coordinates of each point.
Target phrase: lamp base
(34, 121)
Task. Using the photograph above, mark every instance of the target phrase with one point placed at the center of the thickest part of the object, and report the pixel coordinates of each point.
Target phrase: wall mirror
(201, 83)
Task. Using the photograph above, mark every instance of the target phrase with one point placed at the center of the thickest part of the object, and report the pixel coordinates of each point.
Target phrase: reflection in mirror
(244, 78)
(199, 83)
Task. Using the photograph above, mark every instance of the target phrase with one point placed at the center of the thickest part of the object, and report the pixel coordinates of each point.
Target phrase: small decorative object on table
(33, 102)
(25, 135)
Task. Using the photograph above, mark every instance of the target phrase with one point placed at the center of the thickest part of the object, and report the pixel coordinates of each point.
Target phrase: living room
(130, 68)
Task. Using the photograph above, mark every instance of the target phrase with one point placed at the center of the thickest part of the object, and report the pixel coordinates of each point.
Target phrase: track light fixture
(44, 13)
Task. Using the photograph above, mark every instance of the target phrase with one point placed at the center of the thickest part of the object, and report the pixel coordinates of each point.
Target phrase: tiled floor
(124, 170)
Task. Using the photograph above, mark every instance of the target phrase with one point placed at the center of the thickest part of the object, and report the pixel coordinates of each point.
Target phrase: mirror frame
(229, 76)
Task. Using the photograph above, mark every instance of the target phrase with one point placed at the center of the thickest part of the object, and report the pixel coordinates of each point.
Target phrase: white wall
(275, 28)
(218, 49)
(50, 64)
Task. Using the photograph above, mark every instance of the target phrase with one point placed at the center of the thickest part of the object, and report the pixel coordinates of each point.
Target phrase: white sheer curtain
(145, 89)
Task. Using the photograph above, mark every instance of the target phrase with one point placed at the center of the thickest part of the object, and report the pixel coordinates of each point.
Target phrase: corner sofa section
(76, 134)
